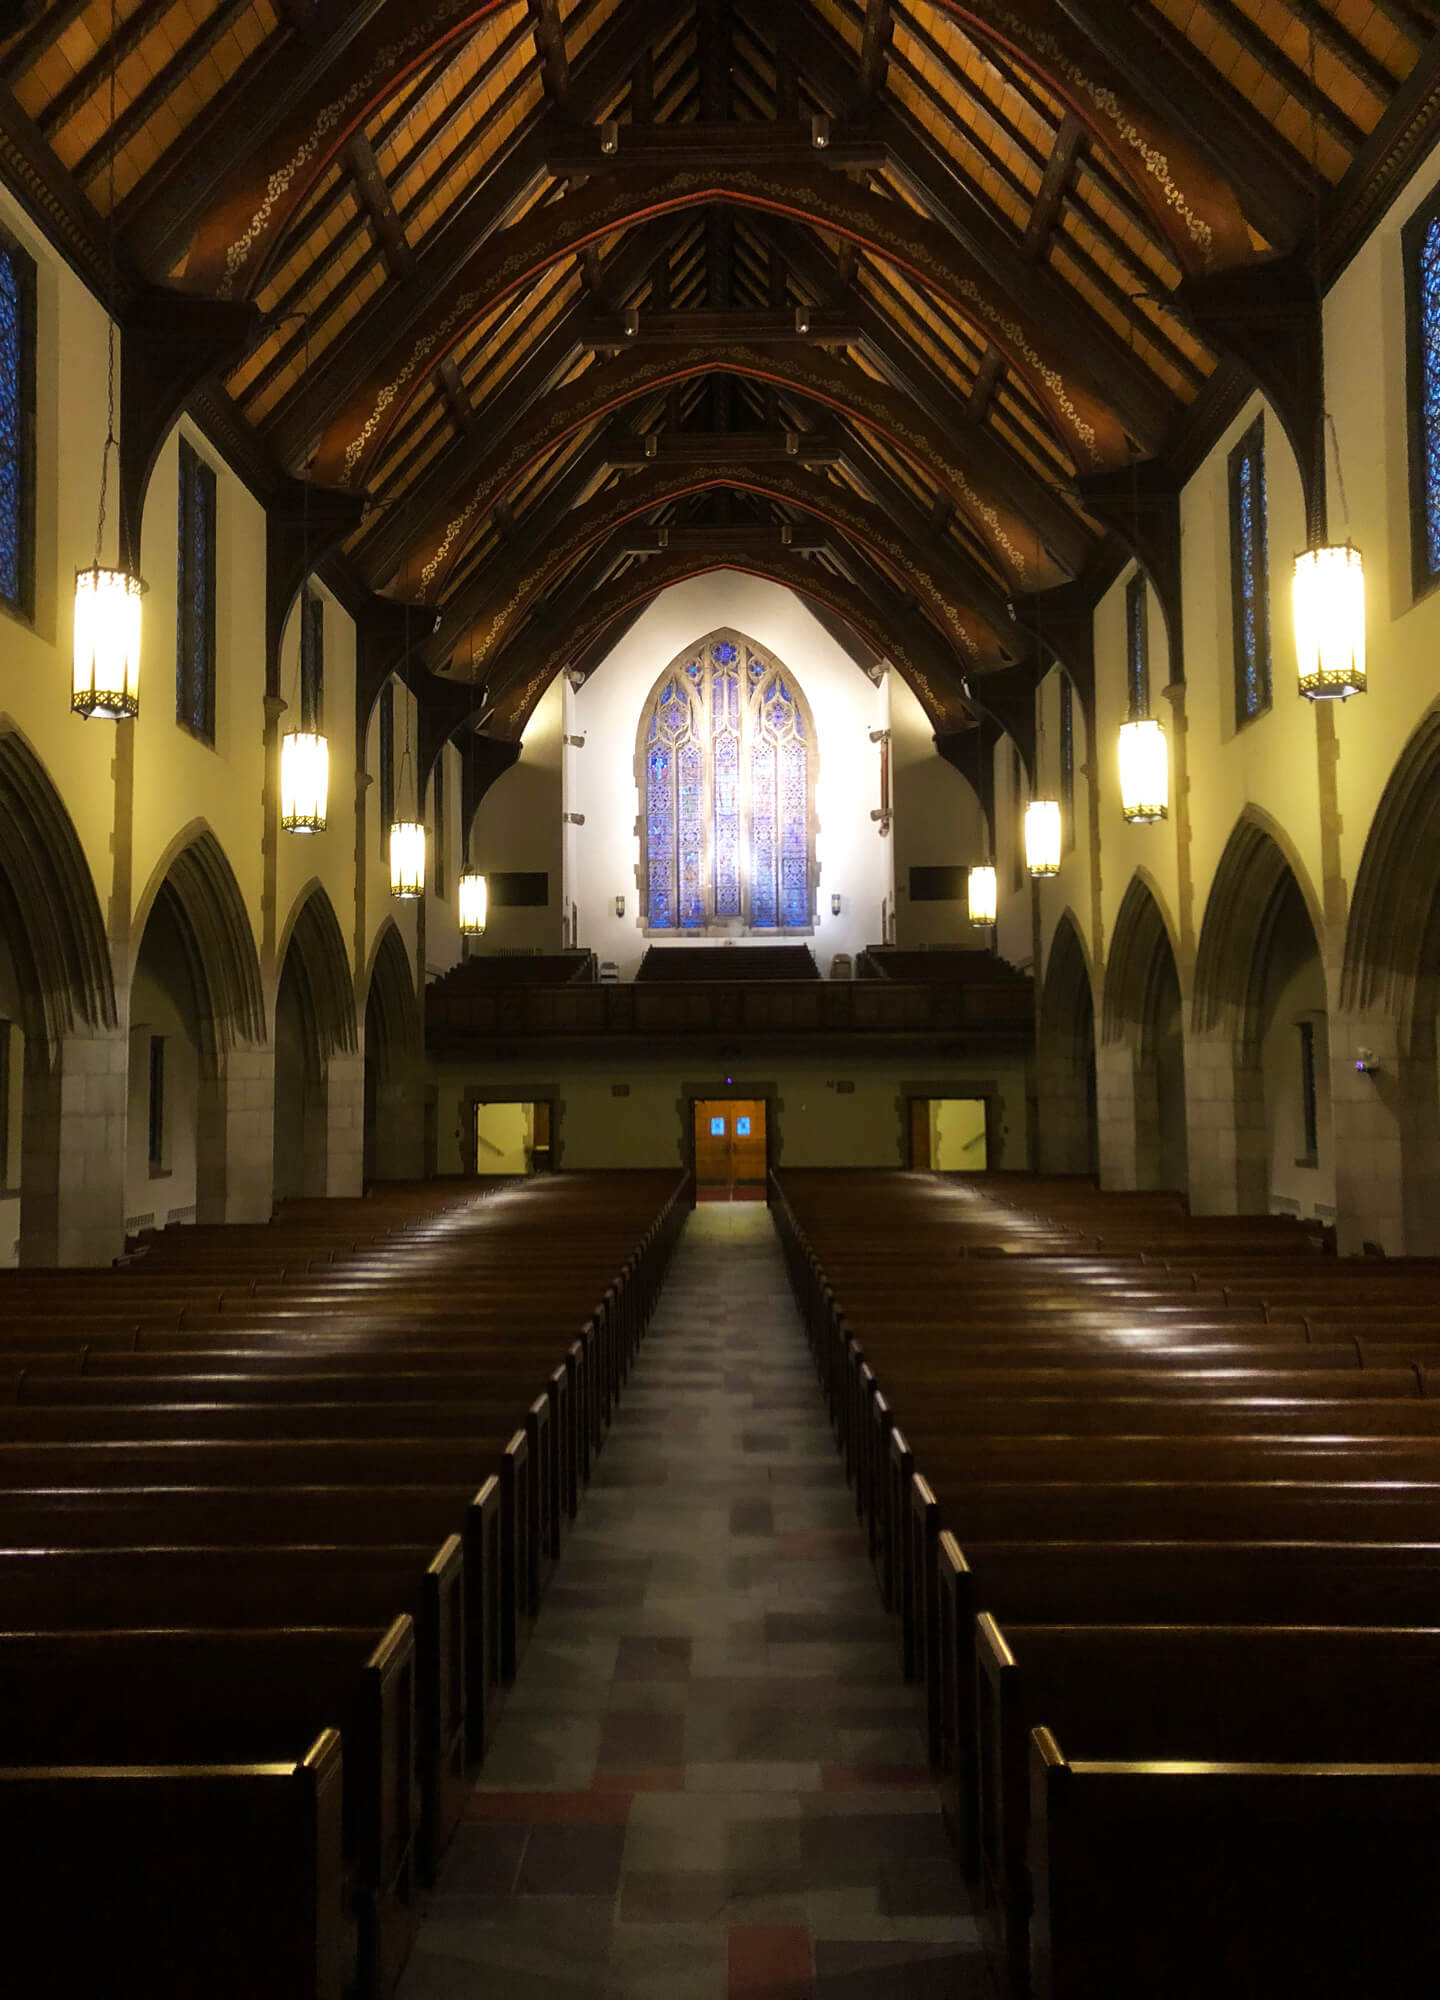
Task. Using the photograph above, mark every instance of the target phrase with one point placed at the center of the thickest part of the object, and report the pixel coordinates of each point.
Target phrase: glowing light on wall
(407, 860)
(1329, 602)
(107, 644)
(1144, 771)
(304, 781)
(1042, 837)
(474, 904)
(984, 895)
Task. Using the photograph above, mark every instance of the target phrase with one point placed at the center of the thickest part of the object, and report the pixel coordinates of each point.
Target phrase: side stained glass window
(17, 428)
(728, 764)
(195, 611)
(1420, 250)
(1250, 573)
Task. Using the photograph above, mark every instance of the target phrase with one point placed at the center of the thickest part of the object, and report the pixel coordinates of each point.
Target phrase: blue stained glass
(725, 654)
(742, 1128)
(725, 738)
(660, 818)
(1430, 387)
(757, 669)
(717, 1128)
(794, 873)
(694, 669)
(1250, 571)
(12, 427)
(764, 903)
(691, 913)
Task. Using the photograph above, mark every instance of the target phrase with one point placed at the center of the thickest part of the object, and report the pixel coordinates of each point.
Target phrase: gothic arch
(1065, 1055)
(1390, 938)
(323, 970)
(1257, 868)
(390, 992)
(726, 703)
(1142, 942)
(48, 906)
(200, 886)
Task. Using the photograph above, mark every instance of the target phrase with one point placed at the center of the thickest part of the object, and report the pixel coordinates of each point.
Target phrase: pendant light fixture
(474, 887)
(1044, 826)
(1144, 760)
(106, 661)
(305, 752)
(407, 836)
(1328, 588)
(983, 887)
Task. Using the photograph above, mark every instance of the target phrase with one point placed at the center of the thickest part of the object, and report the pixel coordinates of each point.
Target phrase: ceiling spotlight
(632, 321)
(610, 137)
(652, 446)
(802, 319)
(819, 131)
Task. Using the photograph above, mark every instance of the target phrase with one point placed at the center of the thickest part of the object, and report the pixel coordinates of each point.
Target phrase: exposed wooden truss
(882, 298)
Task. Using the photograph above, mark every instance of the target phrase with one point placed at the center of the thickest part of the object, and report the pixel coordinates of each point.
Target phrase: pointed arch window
(727, 763)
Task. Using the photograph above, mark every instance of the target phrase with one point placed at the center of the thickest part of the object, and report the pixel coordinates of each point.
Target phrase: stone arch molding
(1133, 964)
(1240, 913)
(200, 884)
(392, 988)
(48, 903)
(1391, 929)
(327, 987)
(1069, 973)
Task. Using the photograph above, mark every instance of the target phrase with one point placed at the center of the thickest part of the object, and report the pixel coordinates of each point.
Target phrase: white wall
(853, 859)
(518, 828)
(938, 824)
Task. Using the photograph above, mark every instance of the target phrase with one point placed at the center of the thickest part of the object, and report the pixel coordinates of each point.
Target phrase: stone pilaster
(72, 1202)
(345, 1125)
(235, 1143)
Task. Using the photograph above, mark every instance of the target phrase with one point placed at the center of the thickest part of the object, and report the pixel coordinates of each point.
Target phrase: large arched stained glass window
(727, 766)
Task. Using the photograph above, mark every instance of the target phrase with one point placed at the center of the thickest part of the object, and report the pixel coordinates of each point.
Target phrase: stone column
(235, 1142)
(72, 1175)
(1225, 1127)
(345, 1125)
(1116, 1110)
(1387, 1148)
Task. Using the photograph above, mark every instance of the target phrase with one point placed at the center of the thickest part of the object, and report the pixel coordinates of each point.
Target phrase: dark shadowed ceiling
(921, 309)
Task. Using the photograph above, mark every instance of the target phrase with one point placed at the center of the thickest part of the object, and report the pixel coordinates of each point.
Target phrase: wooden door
(729, 1142)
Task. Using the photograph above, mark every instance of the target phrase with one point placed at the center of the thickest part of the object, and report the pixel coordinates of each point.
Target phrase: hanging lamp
(1044, 822)
(474, 904)
(1328, 586)
(1144, 771)
(305, 752)
(106, 660)
(984, 894)
(407, 836)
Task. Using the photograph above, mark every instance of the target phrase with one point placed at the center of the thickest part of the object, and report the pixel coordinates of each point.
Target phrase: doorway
(730, 1149)
(948, 1135)
(512, 1137)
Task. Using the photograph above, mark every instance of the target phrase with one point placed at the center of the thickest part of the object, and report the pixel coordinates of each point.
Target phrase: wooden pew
(223, 1879)
(237, 1587)
(1283, 1706)
(190, 1697)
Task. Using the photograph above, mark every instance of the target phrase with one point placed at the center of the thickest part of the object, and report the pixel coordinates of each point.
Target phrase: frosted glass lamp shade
(304, 782)
(474, 904)
(983, 895)
(1329, 601)
(1042, 836)
(407, 860)
(107, 644)
(1144, 771)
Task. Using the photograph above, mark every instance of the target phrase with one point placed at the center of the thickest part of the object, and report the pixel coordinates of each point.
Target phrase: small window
(1137, 647)
(157, 1102)
(17, 428)
(387, 760)
(1067, 761)
(1309, 1097)
(1420, 252)
(717, 1128)
(1250, 574)
(312, 662)
(195, 621)
(742, 1128)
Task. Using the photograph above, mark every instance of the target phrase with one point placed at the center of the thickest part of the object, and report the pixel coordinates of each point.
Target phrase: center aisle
(709, 1779)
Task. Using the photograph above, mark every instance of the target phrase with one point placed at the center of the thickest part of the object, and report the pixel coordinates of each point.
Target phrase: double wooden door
(729, 1143)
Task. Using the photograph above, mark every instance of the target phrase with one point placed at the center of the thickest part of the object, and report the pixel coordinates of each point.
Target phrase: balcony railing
(781, 1008)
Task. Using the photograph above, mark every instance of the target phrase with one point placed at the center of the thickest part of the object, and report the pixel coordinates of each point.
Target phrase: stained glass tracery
(729, 781)
(1429, 357)
(1250, 573)
(17, 423)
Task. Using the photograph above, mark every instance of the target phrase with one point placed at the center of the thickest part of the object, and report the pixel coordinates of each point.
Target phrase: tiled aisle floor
(709, 1779)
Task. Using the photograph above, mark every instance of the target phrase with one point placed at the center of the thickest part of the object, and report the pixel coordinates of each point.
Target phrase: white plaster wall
(938, 824)
(519, 826)
(853, 859)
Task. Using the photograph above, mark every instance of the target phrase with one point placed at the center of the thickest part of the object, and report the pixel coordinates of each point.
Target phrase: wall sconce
(834, 906)
(619, 906)
(1366, 1062)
